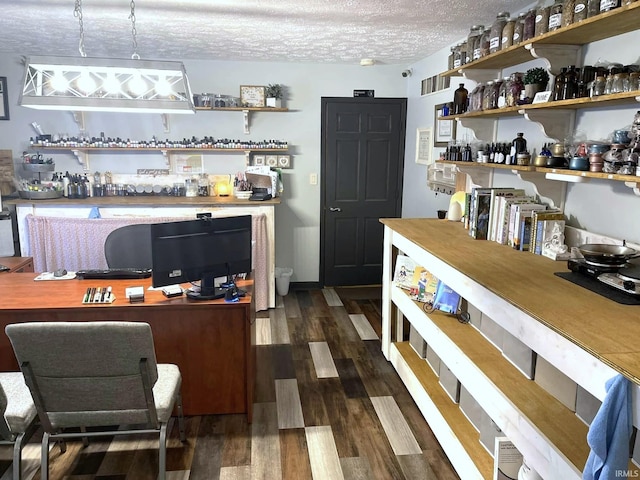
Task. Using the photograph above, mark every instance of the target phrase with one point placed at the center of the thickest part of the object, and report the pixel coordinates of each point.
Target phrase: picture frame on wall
(252, 96)
(258, 160)
(4, 101)
(424, 137)
(445, 130)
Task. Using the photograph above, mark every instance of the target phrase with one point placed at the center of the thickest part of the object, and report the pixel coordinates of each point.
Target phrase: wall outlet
(313, 179)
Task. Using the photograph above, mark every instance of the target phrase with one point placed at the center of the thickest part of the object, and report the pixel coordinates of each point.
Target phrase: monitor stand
(207, 290)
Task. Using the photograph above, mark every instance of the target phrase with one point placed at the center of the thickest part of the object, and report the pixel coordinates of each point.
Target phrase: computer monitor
(202, 249)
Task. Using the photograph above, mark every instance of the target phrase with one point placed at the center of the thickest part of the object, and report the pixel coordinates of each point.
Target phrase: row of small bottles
(590, 81)
(506, 31)
(501, 152)
(193, 142)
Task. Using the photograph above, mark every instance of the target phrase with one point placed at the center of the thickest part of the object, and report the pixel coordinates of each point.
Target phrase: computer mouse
(61, 272)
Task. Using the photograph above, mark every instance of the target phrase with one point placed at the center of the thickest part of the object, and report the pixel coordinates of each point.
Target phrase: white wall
(599, 206)
(298, 216)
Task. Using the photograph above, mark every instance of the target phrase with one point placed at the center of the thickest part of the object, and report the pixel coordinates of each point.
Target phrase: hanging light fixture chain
(134, 32)
(77, 12)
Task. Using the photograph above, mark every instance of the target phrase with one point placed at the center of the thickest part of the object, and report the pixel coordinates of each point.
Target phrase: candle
(223, 189)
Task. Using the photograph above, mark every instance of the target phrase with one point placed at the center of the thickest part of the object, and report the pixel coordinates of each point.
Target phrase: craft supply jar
(593, 8)
(555, 16)
(495, 36)
(542, 20)
(484, 43)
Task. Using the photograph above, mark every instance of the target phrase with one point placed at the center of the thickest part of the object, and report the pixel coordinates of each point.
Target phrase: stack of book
(510, 217)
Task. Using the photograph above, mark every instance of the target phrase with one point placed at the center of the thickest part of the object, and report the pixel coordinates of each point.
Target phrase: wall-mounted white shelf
(245, 112)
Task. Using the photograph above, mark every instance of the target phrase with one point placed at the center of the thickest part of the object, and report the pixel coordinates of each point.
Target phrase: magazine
(445, 299)
(403, 274)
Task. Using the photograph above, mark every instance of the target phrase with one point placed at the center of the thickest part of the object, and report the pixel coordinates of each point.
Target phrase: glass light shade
(103, 84)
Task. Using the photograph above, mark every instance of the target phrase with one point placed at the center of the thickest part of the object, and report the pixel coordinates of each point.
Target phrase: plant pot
(274, 102)
(531, 89)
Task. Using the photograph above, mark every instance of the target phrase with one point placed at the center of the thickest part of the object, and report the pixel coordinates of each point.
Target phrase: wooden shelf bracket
(556, 56)
(556, 124)
(552, 191)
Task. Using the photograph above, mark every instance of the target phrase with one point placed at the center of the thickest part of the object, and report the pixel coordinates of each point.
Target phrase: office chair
(96, 374)
(129, 247)
(18, 411)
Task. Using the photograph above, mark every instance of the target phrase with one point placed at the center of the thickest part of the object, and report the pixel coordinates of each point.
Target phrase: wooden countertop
(605, 328)
(140, 200)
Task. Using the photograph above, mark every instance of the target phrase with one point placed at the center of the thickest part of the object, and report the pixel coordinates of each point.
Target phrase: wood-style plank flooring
(328, 406)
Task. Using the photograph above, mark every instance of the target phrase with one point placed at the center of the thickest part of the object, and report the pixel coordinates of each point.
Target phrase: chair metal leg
(44, 460)
(17, 456)
(183, 437)
(162, 453)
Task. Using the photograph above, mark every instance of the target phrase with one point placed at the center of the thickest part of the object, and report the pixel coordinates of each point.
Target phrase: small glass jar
(495, 37)
(620, 83)
(457, 58)
(634, 81)
(516, 86)
(518, 29)
(542, 20)
(484, 43)
(508, 34)
(597, 86)
(502, 94)
(580, 11)
(607, 5)
(463, 53)
(555, 16)
(593, 8)
(472, 41)
(178, 189)
(529, 30)
(191, 187)
(486, 96)
(450, 58)
(494, 94)
(203, 185)
(567, 12)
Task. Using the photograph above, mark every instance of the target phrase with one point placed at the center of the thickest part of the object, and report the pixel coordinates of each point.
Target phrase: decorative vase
(274, 102)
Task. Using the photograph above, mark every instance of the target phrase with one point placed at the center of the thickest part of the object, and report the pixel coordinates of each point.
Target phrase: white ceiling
(307, 31)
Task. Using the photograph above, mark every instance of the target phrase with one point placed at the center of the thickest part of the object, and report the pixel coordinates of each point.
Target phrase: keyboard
(114, 273)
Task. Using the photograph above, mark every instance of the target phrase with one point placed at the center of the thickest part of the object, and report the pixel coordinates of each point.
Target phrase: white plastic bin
(283, 277)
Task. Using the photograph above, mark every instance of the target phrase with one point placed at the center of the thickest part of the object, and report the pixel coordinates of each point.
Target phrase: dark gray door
(362, 164)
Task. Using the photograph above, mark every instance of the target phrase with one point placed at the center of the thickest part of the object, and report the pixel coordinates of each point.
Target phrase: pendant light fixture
(106, 84)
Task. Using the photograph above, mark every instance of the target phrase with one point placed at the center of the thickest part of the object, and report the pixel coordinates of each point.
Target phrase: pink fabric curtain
(78, 243)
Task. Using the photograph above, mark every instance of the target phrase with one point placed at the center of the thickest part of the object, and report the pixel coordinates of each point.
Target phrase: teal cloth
(610, 432)
(94, 213)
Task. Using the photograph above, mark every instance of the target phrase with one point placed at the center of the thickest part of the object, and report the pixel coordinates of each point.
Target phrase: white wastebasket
(283, 277)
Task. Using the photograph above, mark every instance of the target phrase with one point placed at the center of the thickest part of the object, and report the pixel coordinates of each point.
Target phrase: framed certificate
(252, 96)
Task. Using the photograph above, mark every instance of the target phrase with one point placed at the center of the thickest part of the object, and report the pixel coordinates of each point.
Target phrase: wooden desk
(18, 264)
(212, 342)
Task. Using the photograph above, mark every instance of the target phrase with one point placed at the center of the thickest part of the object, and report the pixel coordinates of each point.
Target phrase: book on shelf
(446, 299)
(496, 209)
(537, 227)
(480, 204)
(504, 216)
(520, 211)
(424, 285)
(403, 273)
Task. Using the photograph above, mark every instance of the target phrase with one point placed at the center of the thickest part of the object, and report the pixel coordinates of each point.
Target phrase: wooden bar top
(603, 327)
(142, 200)
(19, 291)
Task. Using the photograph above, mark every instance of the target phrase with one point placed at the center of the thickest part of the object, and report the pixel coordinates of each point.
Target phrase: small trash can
(283, 277)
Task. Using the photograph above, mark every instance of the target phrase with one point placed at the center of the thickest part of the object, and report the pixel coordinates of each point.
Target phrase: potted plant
(535, 80)
(274, 92)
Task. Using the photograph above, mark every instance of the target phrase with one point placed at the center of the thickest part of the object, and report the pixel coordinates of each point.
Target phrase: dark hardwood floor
(328, 406)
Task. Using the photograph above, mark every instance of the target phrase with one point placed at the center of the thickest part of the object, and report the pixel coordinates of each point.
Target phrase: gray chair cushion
(166, 390)
(21, 410)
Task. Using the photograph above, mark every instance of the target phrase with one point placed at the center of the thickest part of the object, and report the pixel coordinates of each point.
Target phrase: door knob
(335, 209)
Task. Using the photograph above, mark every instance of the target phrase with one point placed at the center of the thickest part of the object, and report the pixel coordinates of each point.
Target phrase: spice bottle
(558, 87)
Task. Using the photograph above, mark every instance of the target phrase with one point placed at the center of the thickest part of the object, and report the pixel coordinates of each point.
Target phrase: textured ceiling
(314, 31)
